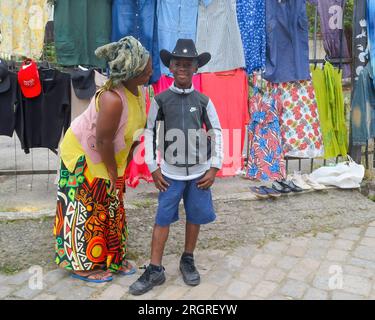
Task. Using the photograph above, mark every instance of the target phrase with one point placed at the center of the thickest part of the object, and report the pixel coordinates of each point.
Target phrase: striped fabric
(219, 34)
(371, 32)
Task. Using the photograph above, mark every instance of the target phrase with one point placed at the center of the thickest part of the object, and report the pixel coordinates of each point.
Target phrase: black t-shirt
(9, 104)
(43, 118)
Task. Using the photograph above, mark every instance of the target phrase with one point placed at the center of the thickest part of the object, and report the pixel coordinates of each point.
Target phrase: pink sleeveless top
(84, 128)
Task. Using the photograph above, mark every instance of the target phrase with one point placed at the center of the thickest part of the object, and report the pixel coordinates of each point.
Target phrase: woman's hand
(208, 179)
(159, 181)
(112, 178)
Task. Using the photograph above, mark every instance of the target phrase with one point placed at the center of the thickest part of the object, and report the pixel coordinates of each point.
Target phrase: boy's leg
(159, 238)
(199, 210)
(191, 236)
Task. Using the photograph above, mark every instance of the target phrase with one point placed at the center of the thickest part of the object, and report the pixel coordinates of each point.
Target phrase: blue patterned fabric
(371, 32)
(251, 17)
(137, 18)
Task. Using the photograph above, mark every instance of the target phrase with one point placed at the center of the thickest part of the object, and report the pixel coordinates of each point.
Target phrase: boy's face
(183, 70)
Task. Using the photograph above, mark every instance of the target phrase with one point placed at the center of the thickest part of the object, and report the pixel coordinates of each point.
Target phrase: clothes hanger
(46, 66)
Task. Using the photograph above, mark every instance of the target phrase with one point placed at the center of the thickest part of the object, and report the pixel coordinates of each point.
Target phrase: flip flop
(271, 192)
(259, 192)
(86, 278)
(128, 273)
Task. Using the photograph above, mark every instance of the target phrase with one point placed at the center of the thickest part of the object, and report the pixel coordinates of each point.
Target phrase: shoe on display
(299, 182)
(312, 183)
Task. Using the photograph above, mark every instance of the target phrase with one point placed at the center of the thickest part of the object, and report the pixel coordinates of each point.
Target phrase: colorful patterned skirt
(90, 225)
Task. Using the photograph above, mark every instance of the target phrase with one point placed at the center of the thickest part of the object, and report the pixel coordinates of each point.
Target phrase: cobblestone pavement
(335, 265)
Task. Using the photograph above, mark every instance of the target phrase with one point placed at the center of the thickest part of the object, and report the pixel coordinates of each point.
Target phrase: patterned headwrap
(126, 58)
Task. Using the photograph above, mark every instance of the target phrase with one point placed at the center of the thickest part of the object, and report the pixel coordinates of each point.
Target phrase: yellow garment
(71, 150)
(22, 25)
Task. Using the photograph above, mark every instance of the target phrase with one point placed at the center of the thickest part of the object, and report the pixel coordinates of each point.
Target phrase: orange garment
(228, 91)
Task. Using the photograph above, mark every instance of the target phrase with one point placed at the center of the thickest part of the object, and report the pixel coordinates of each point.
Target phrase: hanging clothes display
(363, 107)
(22, 24)
(10, 100)
(42, 119)
(287, 51)
(371, 32)
(300, 126)
(80, 27)
(219, 34)
(328, 89)
(331, 14)
(251, 16)
(138, 19)
(176, 19)
(80, 105)
(265, 157)
(165, 82)
(360, 43)
(137, 169)
(229, 93)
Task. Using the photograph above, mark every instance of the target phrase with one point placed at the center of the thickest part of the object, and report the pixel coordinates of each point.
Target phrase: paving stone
(304, 270)
(275, 274)
(317, 253)
(372, 224)
(275, 247)
(300, 242)
(357, 285)
(364, 252)
(19, 278)
(315, 294)
(321, 281)
(26, 293)
(220, 277)
(370, 232)
(113, 292)
(337, 255)
(127, 281)
(252, 275)
(173, 292)
(358, 271)
(320, 243)
(296, 251)
(262, 260)
(362, 263)
(367, 241)
(287, 262)
(246, 252)
(203, 291)
(264, 289)
(294, 289)
(45, 296)
(233, 262)
(325, 236)
(340, 295)
(52, 277)
(349, 236)
(5, 291)
(238, 288)
(151, 295)
(343, 244)
(352, 230)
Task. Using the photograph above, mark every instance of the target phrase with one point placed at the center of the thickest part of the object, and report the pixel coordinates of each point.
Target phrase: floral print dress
(265, 158)
(300, 125)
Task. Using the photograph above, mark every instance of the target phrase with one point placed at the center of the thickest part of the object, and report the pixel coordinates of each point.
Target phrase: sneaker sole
(138, 293)
(190, 283)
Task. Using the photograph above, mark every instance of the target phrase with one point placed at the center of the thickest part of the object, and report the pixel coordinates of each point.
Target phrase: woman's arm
(110, 109)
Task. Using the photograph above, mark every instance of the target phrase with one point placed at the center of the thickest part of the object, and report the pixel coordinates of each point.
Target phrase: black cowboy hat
(185, 48)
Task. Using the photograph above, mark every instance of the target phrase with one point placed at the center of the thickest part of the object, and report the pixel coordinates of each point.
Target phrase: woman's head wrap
(126, 58)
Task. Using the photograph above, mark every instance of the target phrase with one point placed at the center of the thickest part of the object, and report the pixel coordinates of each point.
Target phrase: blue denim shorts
(197, 202)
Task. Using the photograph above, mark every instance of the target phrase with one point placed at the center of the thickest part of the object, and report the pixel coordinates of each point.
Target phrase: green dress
(330, 100)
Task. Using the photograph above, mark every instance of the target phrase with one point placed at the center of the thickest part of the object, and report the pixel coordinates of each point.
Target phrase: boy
(190, 142)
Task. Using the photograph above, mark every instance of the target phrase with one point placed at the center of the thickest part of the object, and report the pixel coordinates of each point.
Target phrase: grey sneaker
(149, 279)
(189, 272)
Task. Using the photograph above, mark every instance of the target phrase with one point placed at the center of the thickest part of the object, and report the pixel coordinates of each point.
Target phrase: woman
(90, 224)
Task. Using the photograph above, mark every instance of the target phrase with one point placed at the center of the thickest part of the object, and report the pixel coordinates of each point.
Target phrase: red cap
(28, 79)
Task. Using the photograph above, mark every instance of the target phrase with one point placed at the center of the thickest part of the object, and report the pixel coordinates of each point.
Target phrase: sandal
(259, 192)
(99, 276)
(278, 186)
(271, 192)
(126, 265)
